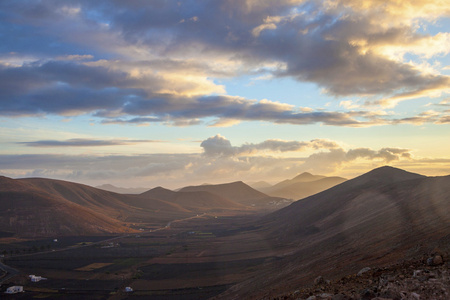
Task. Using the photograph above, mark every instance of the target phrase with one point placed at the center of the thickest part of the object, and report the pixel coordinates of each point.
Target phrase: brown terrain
(196, 200)
(27, 210)
(426, 278)
(391, 226)
(38, 207)
(238, 192)
(379, 218)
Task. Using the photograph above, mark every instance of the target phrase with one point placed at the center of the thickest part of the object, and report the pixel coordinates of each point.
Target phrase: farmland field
(195, 259)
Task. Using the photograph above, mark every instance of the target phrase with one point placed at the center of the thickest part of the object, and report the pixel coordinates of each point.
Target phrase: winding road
(10, 272)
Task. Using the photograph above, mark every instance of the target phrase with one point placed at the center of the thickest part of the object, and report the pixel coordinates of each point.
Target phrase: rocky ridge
(427, 277)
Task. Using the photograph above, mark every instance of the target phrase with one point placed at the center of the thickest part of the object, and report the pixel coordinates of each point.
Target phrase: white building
(35, 278)
(14, 289)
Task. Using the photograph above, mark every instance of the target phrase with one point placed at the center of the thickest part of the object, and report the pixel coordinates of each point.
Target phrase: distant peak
(390, 170)
(106, 185)
(158, 191)
(158, 188)
(305, 176)
(238, 182)
(387, 168)
(389, 174)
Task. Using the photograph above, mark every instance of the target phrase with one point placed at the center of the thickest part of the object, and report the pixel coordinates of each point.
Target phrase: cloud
(68, 88)
(348, 104)
(75, 57)
(336, 159)
(385, 154)
(88, 168)
(220, 146)
(329, 161)
(429, 116)
(138, 60)
(84, 143)
(220, 162)
(217, 145)
(445, 102)
(228, 110)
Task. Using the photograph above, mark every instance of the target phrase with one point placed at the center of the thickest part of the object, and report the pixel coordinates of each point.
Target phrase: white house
(128, 289)
(14, 289)
(35, 278)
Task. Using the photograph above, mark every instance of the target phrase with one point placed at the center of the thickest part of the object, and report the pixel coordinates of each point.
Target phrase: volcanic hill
(238, 192)
(200, 201)
(34, 207)
(382, 217)
(30, 211)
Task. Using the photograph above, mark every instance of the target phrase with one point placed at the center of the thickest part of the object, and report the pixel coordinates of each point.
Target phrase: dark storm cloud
(84, 143)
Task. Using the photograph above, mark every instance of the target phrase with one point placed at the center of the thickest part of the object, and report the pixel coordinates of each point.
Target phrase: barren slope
(29, 211)
(376, 219)
(236, 191)
(196, 201)
(55, 207)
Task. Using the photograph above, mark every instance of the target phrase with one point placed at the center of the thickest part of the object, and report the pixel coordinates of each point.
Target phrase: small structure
(128, 289)
(14, 289)
(35, 278)
(110, 245)
(55, 240)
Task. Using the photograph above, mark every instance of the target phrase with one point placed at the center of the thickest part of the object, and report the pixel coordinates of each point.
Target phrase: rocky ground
(425, 278)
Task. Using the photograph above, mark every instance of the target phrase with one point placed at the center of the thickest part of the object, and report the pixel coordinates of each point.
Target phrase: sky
(175, 93)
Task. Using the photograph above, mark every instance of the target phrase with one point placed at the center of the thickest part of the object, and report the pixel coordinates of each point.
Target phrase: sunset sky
(172, 93)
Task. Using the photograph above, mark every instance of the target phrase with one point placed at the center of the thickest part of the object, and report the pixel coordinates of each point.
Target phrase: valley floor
(202, 257)
(196, 258)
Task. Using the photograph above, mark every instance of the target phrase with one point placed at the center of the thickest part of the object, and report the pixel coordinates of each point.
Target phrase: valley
(226, 241)
(193, 257)
(225, 150)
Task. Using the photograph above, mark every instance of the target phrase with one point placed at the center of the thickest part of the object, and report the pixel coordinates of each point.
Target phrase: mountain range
(380, 218)
(384, 216)
(37, 207)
